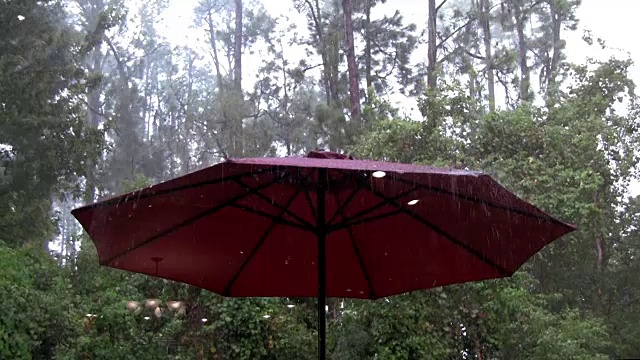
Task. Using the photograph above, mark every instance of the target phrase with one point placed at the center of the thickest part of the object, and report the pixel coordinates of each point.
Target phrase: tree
(388, 46)
(42, 124)
(354, 88)
(325, 27)
(432, 52)
(233, 30)
(286, 97)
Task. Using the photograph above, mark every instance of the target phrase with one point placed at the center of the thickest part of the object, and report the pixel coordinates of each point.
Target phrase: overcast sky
(611, 20)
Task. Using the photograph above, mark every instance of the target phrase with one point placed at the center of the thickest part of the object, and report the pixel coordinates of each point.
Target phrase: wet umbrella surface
(323, 225)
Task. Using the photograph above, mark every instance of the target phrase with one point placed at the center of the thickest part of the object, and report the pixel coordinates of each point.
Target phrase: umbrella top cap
(319, 154)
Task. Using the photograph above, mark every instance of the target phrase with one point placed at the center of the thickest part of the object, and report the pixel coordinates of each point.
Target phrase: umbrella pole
(322, 263)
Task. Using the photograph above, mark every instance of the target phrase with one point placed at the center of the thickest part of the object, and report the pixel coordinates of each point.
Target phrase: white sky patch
(605, 20)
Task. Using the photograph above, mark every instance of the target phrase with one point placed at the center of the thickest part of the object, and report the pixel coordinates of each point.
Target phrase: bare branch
(475, 56)
(471, 19)
(439, 6)
(310, 67)
(216, 138)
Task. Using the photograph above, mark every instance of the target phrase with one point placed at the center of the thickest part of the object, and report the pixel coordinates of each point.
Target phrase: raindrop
(146, 318)
(413, 202)
(20, 17)
(348, 290)
(266, 316)
(150, 205)
(291, 306)
(379, 174)
(204, 320)
(241, 252)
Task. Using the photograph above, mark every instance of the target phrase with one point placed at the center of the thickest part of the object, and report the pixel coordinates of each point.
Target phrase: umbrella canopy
(323, 225)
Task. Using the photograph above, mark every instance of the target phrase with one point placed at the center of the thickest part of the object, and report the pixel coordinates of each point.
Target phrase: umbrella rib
(478, 200)
(310, 202)
(138, 195)
(365, 272)
(254, 251)
(275, 218)
(343, 205)
(304, 184)
(345, 225)
(356, 249)
(197, 217)
(385, 201)
(280, 207)
(440, 232)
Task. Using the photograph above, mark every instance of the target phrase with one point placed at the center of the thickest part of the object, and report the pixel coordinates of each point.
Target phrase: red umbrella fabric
(323, 225)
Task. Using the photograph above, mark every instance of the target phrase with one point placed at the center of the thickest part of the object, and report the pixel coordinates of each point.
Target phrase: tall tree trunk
(237, 138)
(127, 151)
(214, 49)
(485, 8)
(333, 39)
(237, 50)
(601, 259)
(432, 77)
(188, 118)
(323, 46)
(556, 26)
(367, 48)
(94, 119)
(222, 89)
(354, 91)
(525, 78)
(285, 103)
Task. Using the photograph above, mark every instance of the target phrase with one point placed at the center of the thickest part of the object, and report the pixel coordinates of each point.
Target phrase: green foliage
(560, 159)
(40, 117)
(36, 304)
(518, 324)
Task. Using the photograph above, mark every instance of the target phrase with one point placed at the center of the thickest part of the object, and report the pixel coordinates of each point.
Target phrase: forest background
(99, 97)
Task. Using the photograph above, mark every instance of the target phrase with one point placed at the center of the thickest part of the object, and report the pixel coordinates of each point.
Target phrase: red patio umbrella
(323, 225)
